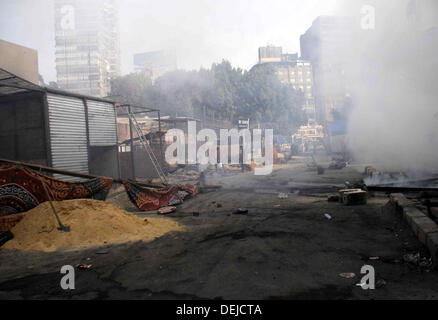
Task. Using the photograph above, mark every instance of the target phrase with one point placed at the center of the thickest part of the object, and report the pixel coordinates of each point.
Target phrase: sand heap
(91, 222)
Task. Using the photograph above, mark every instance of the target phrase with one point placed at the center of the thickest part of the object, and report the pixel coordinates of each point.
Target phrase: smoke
(392, 72)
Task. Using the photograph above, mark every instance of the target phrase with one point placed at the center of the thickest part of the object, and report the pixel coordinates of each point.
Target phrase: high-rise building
(87, 45)
(270, 54)
(325, 45)
(155, 63)
(292, 71)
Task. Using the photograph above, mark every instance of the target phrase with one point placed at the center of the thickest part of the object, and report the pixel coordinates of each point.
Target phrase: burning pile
(91, 222)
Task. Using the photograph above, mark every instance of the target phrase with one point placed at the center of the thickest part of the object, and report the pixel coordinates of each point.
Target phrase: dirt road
(281, 249)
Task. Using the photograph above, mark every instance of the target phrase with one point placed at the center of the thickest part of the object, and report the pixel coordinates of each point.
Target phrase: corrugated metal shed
(68, 133)
(101, 123)
(11, 84)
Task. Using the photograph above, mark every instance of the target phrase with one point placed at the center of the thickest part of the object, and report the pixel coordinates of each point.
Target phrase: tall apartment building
(155, 63)
(87, 45)
(293, 71)
(325, 44)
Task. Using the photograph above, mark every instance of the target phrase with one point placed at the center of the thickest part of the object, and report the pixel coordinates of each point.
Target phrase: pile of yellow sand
(91, 222)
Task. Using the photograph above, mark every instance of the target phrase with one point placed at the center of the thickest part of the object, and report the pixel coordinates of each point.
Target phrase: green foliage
(229, 92)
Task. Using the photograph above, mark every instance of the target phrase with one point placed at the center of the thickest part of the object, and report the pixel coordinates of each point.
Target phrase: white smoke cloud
(392, 76)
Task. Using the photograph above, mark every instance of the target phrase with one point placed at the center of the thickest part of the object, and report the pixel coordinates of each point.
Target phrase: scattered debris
(413, 258)
(166, 210)
(338, 164)
(283, 196)
(240, 211)
(352, 197)
(374, 258)
(84, 266)
(333, 198)
(329, 217)
(347, 275)
(102, 252)
(218, 205)
(320, 170)
(210, 188)
(380, 283)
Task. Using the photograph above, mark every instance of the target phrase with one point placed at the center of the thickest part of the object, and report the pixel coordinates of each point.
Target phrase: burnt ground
(281, 249)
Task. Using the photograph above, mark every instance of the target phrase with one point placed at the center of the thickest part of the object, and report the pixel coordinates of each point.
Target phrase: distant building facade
(325, 45)
(87, 45)
(19, 60)
(270, 54)
(155, 63)
(293, 71)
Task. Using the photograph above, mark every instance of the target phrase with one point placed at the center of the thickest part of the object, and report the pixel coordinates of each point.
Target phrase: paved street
(281, 249)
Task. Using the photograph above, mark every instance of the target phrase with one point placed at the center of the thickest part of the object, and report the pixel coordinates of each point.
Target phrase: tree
(229, 92)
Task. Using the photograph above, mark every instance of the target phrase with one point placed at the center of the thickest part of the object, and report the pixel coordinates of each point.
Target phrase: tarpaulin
(147, 199)
(21, 189)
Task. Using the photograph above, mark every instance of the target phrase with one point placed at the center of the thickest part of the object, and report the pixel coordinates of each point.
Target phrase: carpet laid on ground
(92, 223)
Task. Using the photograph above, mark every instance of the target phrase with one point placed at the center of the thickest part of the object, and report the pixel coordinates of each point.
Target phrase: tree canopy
(231, 92)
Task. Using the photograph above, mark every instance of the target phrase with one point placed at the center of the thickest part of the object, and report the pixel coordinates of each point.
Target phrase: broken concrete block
(422, 227)
(432, 245)
(341, 193)
(400, 200)
(434, 213)
(369, 171)
(409, 213)
(355, 198)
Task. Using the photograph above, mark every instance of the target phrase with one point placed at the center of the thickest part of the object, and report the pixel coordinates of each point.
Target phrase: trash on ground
(102, 252)
(374, 258)
(283, 196)
(166, 210)
(380, 283)
(338, 164)
(413, 258)
(329, 217)
(84, 266)
(349, 275)
(240, 211)
(320, 170)
(352, 197)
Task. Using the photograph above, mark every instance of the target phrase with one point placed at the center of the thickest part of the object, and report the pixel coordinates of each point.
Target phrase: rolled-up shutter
(68, 134)
(101, 124)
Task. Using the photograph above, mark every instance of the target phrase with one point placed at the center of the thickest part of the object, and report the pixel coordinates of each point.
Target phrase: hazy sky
(200, 32)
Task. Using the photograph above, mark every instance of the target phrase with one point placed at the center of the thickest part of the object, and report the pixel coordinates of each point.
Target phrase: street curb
(424, 228)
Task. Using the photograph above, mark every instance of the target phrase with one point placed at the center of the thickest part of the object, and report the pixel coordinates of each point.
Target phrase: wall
(22, 133)
(19, 60)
